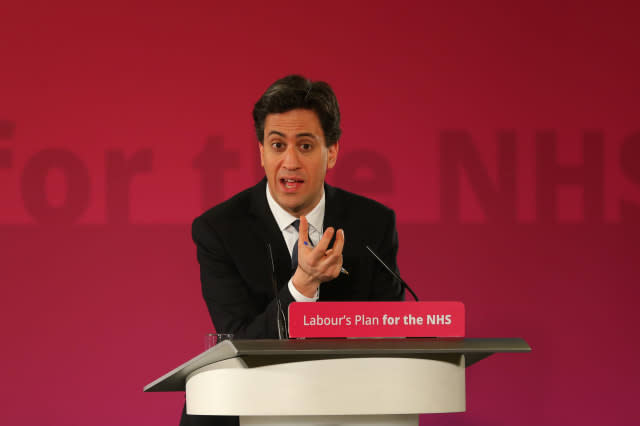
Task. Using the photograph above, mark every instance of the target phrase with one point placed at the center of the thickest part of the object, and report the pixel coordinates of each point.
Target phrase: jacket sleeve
(232, 306)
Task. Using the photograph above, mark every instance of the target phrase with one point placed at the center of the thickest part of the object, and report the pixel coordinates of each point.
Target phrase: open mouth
(291, 183)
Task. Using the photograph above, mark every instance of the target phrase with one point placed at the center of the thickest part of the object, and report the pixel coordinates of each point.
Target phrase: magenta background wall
(505, 135)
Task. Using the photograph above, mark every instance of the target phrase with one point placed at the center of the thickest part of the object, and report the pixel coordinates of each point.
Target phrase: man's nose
(291, 159)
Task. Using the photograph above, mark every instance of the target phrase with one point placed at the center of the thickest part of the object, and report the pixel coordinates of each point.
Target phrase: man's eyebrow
(307, 134)
(299, 135)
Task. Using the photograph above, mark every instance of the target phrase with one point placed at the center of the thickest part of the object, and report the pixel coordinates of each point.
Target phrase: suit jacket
(235, 270)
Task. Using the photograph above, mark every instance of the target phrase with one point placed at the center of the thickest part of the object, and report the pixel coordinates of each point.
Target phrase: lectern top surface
(378, 346)
(474, 350)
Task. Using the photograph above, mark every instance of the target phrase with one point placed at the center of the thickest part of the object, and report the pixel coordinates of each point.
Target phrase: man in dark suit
(300, 217)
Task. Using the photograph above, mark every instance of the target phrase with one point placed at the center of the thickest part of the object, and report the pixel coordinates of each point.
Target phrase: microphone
(281, 320)
(396, 276)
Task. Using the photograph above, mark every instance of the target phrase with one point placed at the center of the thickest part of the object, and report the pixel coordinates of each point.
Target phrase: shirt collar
(284, 219)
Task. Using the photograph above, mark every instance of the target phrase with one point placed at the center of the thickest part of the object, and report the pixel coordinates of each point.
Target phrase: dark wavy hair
(294, 92)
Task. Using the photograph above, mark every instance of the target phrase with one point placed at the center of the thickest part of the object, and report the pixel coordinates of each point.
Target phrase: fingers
(303, 230)
(332, 261)
(324, 242)
(304, 245)
(320, 262)
(312, 254)
(338, 244)
(320, 249)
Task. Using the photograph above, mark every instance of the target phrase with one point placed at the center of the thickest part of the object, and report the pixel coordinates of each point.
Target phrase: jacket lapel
(333, 209)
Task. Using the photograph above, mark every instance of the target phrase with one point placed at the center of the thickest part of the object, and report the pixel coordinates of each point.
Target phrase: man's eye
(306, 147)
(278, 146)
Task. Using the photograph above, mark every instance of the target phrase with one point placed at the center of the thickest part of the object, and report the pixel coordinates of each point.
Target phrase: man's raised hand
(317, 264)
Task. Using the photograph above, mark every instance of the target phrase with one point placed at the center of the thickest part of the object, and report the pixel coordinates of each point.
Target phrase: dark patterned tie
(294, 253)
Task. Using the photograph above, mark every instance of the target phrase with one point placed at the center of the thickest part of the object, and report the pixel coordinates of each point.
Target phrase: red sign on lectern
(376, 319)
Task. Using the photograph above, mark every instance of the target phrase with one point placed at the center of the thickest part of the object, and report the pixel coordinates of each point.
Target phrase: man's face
(295, 158)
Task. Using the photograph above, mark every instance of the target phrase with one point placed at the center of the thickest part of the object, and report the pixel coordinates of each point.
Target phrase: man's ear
(261, 148)
(332, 156)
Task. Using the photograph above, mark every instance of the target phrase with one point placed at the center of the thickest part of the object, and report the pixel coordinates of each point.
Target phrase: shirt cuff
(299, 297)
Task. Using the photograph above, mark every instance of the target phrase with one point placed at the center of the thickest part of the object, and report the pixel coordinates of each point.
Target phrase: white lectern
(331, 382)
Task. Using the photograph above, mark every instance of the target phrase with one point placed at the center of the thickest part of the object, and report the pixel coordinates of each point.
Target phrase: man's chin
(293, 208)
(292, 204)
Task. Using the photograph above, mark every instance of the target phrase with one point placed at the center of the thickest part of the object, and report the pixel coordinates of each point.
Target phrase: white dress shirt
(285, 222)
